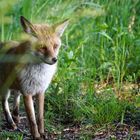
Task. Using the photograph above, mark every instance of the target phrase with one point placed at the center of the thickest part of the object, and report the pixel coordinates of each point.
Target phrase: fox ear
(27, 26)
(60, 28)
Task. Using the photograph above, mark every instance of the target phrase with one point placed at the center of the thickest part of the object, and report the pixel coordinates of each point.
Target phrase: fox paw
(14, 126)
(43, 136)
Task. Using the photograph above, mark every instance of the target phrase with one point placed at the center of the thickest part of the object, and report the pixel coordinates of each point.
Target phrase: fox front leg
(29, 107)
(5, 106)
(40, 107)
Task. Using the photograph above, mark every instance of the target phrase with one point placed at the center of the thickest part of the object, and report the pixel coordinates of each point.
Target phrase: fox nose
(54, 59)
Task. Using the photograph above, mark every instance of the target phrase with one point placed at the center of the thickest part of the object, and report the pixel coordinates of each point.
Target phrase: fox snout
(43, 58)
(50, 61)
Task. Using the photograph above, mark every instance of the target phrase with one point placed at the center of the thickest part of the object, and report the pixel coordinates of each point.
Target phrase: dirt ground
(73, 132)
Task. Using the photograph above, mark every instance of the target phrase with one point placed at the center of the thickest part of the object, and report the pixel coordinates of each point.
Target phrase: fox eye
(44, 48)
(55, 46)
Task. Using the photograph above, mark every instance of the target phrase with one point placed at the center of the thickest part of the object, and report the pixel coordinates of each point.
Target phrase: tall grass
(97, 47)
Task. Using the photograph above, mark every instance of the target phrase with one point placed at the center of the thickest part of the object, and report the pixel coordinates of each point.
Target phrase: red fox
(27, 68)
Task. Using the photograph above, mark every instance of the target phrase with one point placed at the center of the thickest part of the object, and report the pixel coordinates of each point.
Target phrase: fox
(27, 68)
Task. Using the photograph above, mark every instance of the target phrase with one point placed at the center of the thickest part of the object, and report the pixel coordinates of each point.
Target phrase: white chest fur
(35, 79)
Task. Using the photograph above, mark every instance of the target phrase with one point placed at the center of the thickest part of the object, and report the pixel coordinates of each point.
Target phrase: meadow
(96, 87)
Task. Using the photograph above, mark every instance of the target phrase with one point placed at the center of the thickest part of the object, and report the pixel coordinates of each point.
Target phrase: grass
(11, 135)
(100, 46)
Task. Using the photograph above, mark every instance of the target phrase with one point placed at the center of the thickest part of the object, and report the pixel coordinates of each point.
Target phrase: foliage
(100, 44)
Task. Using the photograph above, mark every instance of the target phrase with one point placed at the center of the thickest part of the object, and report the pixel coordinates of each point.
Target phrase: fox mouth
(45, 61)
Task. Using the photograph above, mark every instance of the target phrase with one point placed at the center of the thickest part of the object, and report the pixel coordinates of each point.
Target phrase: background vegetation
(99, 63)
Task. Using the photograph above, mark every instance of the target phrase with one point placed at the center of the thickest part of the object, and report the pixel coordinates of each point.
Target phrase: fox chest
(35, 79)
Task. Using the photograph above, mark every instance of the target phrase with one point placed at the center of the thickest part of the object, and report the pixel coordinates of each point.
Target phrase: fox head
(48, 39)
